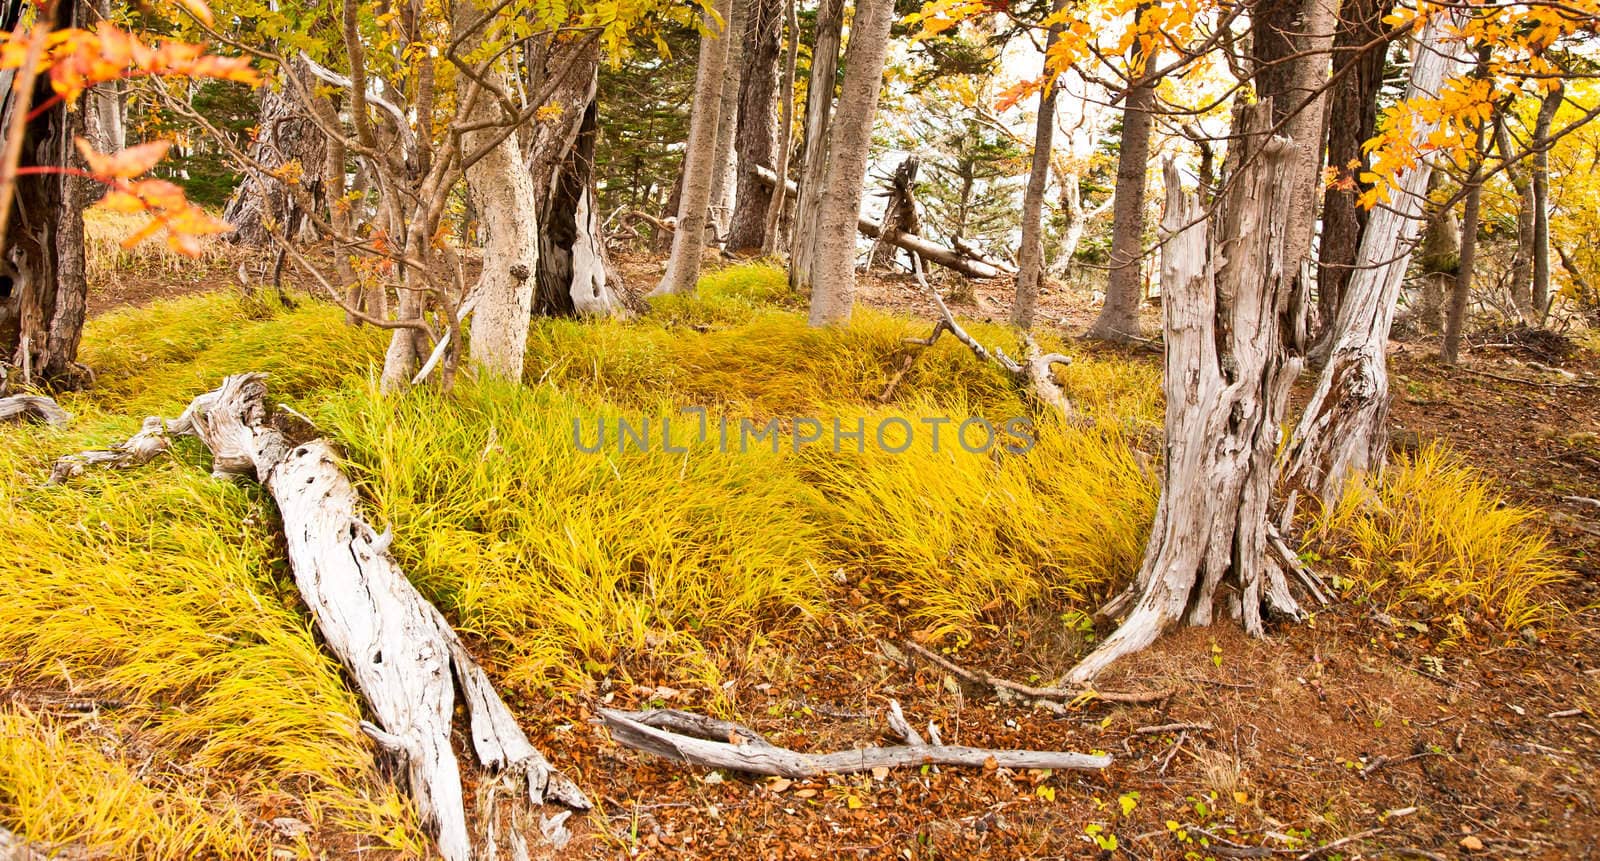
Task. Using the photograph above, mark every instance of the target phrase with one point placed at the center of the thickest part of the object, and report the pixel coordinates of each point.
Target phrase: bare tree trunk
(772, 242)
(1119, 317)
(1072, 235)
(1461, 291)
(819, 113)
(849, 139)
(1439, 257)
(699, 162)
(284, 134)
(1352, 120)
(502, 187)
(1541, 199)
(754, 141)
(724, 177)
(1030, 258)
(1228, 299)
(1342, 430)
(574, 277)
(43, 285)
(1521, 274)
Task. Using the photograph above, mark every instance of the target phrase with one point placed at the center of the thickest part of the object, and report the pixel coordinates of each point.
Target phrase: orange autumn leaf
(128, 163)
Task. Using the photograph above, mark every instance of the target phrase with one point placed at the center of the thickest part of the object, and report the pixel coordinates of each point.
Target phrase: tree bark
(503, 189)
(43, 283)
(284, 134)
(849, 139)
(1030, 258)
(683, 267)
(1119, 317)
(1438, 257)
(1352, 120)
(753, 142)
(1342, 430)
(814, 170)
(574, 276)
(1229, 297)
(772, 241)
(1541, 199)
(724, 177)
(1461, 289)
(1521, 272)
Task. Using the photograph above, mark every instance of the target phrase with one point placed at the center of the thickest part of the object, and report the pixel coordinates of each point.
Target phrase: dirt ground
(1356, 735)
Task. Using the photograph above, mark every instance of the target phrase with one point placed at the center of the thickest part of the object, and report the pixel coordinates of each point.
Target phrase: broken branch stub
(18, 408)
(398, 648)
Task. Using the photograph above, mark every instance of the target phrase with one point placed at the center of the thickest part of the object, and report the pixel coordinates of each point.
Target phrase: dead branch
(19, 408)
(711, 743)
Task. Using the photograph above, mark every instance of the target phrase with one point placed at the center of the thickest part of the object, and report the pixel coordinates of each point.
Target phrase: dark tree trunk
(1352, 119)
(284, 134)
(574, 276)
(1030, 258)
(43, 289)
(1541, 200)
(758, 83)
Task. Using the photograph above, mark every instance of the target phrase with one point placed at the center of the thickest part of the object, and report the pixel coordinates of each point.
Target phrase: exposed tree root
(712, 743)
(400, 651)
(19, 408)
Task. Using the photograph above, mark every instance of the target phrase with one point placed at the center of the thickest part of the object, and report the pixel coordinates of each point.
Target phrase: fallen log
(22, 407)
(397, 647)
(967, 265)
(712, 743)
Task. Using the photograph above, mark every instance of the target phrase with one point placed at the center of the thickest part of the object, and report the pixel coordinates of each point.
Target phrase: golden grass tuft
(1434, 529)
(105, 258)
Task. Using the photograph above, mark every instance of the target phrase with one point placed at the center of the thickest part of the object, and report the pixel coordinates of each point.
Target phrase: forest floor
(1359, 734)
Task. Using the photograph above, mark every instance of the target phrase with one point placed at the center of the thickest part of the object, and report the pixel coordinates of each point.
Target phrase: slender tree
(763, 28)
(772, 241)
(1119, 317)
(849, 138)
(1548, 108)
(724, 177)
(819, 113)
(699, 162)
(1030, 259)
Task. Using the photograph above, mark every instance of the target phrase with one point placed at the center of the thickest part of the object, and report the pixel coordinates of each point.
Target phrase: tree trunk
(1352, 120)
(758, 81)
(1461, 290)
(1521, 273)
(699, 162)
(1342, 430)
(104, 108)
(819, 113)
(1072, 233)
(772, 242)
(502, 187)
(43, 286)
(284, 134)
(724, 177)
(574, 276)
(849, 139)
(1228, 298)
(1030, 258)
(1541, 199)
(1119, 317)
(1438, 257)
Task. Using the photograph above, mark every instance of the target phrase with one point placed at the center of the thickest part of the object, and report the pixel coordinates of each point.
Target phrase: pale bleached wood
(398, 648)
(1342, 430)
(710, 743)
(19, 408)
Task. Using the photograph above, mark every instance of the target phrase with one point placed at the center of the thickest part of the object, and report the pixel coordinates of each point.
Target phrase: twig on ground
(1052, 699)
(1172, 727)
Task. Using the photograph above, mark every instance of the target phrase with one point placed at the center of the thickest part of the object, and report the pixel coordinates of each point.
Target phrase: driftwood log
(397, 647)
(19, 408)
(967, 264)
(711, 743)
